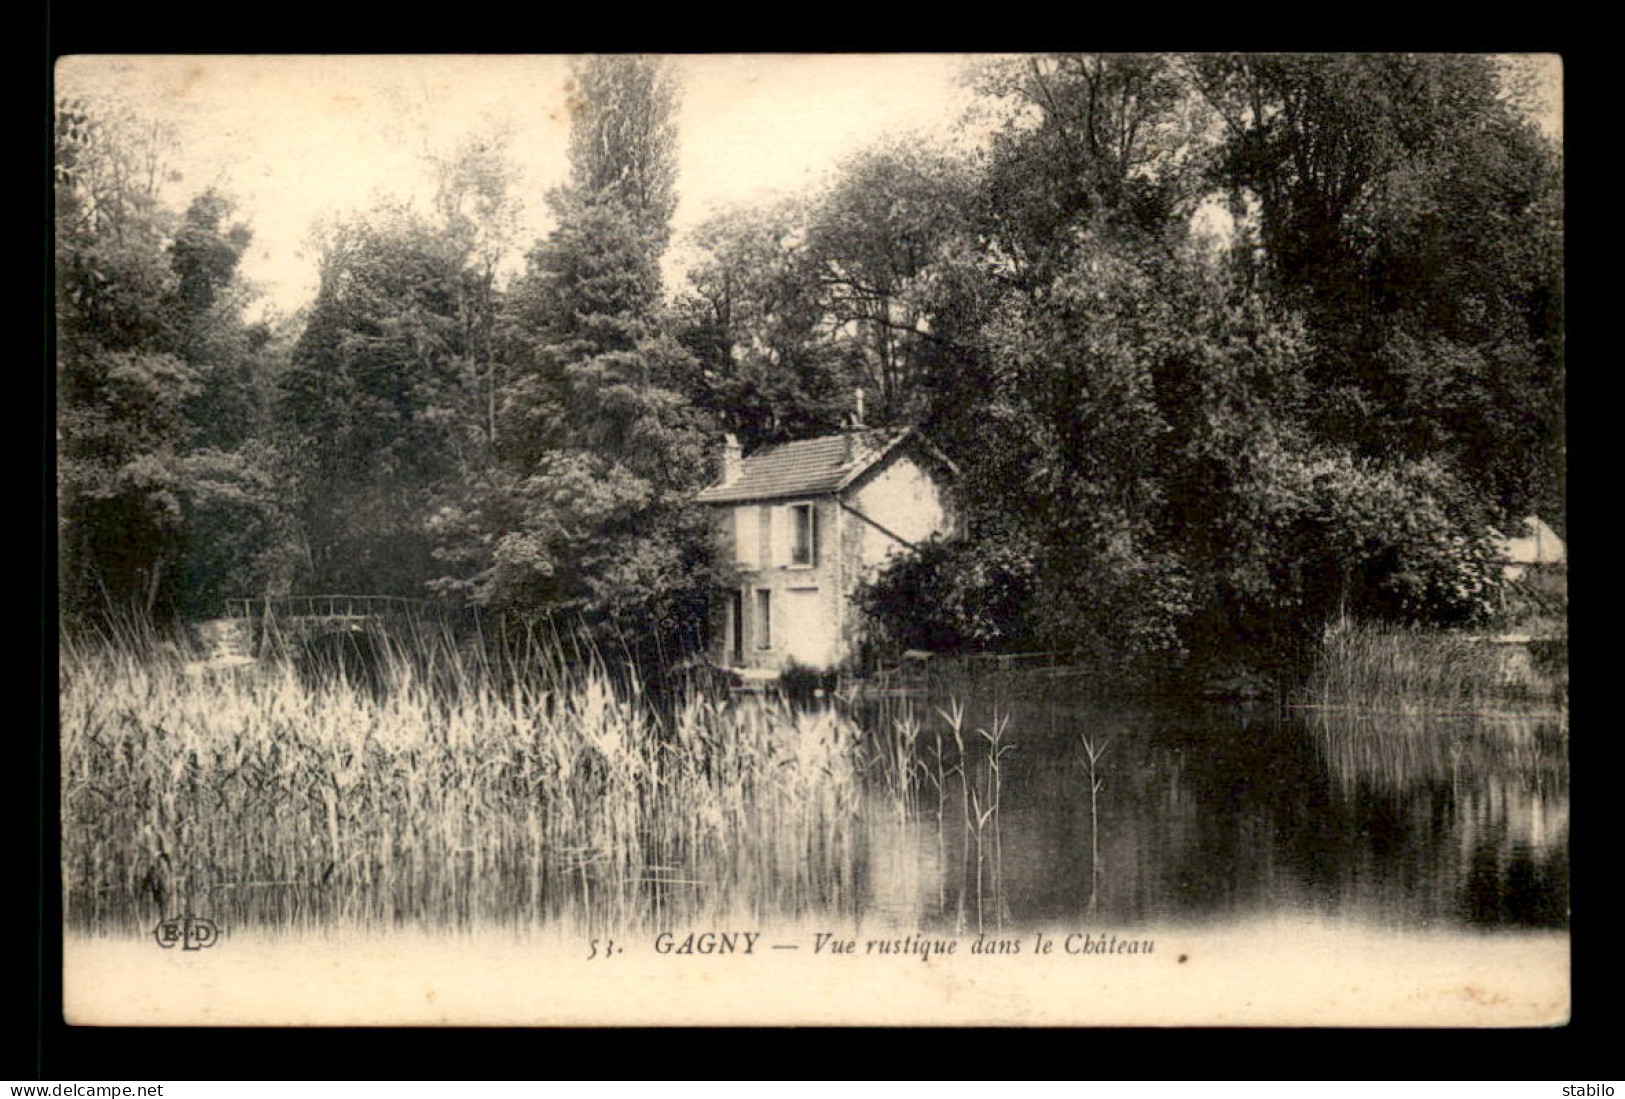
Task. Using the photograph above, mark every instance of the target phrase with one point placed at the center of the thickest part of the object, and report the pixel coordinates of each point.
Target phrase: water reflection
(1034, 809)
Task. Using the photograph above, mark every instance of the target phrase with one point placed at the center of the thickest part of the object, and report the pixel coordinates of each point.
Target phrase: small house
(804, 522)
(1535, 590)
(1533, 545)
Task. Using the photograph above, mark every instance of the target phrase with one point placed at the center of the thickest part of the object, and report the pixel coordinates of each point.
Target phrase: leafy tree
(235, 525)
(389, 414)
(1413, 214)
(755, 321)
(1078, 428)
(1194, 451)
(1098, 142)
(1401, 541)
(159, 381)
(208, 302)
(870, 283)
(874, 242)
(370, 402)
(1230, 387)
(112, 283)
(1144, 437)
(239, 533)
(122, 385)
(476, 214)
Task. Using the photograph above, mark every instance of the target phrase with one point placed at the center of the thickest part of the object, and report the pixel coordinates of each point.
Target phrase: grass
(1396, 709)
(442, 784)
(441, 792)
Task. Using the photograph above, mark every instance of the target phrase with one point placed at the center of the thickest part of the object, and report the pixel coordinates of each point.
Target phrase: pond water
(1210, 813)
(1288, 867)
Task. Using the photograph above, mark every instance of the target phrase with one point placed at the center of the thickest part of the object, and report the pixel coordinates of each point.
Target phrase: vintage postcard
(812, 539)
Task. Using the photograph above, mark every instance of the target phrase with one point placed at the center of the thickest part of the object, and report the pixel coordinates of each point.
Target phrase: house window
(764, 618)
(803, 535)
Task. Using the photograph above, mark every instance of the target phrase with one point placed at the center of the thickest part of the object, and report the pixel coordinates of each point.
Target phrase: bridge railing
(328, 606)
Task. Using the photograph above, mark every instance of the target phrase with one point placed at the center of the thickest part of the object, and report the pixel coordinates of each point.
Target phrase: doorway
(736, 627)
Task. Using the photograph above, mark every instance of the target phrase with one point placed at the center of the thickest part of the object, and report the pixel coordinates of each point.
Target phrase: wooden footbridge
(252, 625)
(331, 612)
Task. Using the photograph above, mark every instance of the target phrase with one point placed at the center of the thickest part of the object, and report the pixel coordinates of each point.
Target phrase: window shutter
(747, 545)
(812, 532)
(781, 535)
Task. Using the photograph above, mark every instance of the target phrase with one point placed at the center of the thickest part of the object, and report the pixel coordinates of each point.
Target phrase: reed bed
(442, 793)
(1397, 672)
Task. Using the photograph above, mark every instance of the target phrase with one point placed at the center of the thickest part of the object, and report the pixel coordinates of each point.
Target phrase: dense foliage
(950, 596)
(158, 383)
(1222, 347)
(1200, 438)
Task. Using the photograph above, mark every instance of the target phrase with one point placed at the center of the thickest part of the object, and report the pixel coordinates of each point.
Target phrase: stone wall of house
(907, 500)
(805, 601)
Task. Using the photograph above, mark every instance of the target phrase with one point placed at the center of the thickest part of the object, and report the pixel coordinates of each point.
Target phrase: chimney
(851, 448)
(733, 459)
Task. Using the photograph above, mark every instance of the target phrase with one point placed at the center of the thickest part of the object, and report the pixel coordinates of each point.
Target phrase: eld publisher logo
(187, 932)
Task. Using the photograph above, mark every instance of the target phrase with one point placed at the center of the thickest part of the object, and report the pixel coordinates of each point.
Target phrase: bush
(949, 595)
(1401, 543)
(1313, 534)
(799, 683)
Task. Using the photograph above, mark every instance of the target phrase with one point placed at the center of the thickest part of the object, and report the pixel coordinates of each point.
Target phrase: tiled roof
(805, 467)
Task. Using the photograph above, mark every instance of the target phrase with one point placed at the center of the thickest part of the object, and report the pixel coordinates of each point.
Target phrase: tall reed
(997, 748)
(954, 716)
(1393, 670)
(1091, 762)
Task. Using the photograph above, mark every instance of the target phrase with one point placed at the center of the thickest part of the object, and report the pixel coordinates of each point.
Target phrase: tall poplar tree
(588, 514)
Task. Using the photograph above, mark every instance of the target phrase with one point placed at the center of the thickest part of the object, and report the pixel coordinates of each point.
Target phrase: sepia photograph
(812, 539)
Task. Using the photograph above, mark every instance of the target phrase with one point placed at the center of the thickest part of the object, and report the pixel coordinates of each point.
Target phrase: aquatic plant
(1091, 761)
(997, 747)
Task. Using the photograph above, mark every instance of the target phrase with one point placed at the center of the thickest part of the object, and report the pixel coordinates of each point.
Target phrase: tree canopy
(1222, 346)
